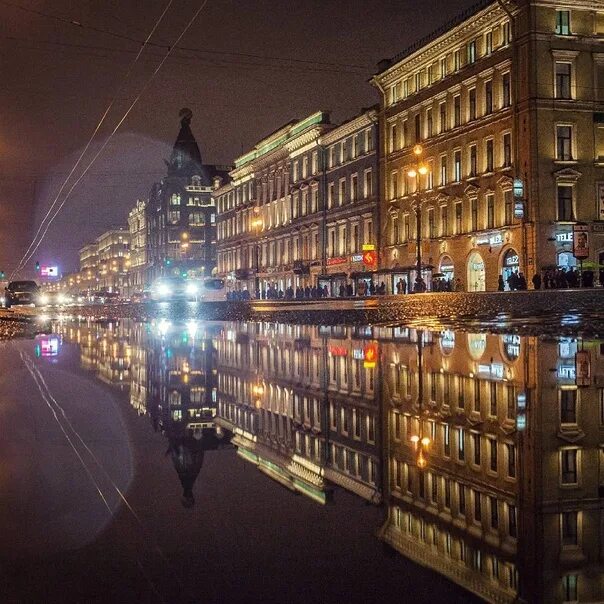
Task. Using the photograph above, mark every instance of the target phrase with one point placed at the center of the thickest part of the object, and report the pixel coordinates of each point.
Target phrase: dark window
(477, 506)
(422, 485)
(472, 103)
(565, 202)
(507, 90)
(490, 211)
(462, 499)
(493, 454)
(569, 466)
(508, 197)
(512, 522)
(458, 217)
(443, 117)
(507, 150)
(447, 439)
(444, 220)
(473, 161)
(511, 451)
(564, 149)
(474, 213)
(476, 447)
(563, 80)
(569, 528)
(434, 484)
(431, 224)
(488, 97)
(461, 448)
(429, 122)
(447, 493)
(418, 128)
(457, 111)
(568, 406)
(494, 512)
(443, 170)
(490, 162)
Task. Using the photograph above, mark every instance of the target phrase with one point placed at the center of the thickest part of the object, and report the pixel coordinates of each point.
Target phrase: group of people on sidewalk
(555, 278)
(558, 278)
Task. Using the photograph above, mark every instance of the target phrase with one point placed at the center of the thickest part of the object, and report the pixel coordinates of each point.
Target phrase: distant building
(89, 265)
(113, 257)
(351, 213)
(137, 267)
(180, 213)
(507, 93)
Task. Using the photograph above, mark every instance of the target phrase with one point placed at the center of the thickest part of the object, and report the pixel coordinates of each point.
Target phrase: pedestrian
(349, 290)
(537, 281)
(399, 286)
(500, 284)
(342, 291)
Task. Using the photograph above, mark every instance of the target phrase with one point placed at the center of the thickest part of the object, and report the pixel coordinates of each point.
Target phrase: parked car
(22, 292)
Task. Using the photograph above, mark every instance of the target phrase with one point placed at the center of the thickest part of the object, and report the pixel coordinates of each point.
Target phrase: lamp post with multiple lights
(418, 170)
(257, 225)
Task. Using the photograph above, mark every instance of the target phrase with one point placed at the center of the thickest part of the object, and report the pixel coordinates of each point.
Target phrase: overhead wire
(185, 48)
(105, 143)
(91, 138)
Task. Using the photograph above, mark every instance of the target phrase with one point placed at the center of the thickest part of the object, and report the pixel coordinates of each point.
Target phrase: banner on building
(581, 240)
(583, 368)
(601, 200)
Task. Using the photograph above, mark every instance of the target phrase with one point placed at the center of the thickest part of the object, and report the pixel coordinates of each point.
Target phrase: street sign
(518, 188)
(519, 209)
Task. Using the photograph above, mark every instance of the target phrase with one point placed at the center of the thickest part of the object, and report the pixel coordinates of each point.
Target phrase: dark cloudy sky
(58, 77)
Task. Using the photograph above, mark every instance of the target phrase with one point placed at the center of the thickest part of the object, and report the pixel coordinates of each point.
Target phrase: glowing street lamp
(416, 172)
(257, 225)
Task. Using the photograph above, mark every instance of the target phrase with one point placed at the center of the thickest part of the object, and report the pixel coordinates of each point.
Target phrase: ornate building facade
(487, 115)
(180, 212)
(137, 227)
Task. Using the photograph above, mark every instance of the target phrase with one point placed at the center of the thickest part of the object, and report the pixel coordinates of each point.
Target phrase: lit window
(471, 52)
(569, 588)
(563, 22)
(457, 166)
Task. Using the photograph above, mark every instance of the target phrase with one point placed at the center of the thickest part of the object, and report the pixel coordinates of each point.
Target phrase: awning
(367, 274)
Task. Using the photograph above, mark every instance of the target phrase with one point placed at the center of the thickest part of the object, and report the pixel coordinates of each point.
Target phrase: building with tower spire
(180, 214)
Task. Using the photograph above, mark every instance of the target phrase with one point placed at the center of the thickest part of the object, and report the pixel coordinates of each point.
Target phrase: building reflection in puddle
(485, 451)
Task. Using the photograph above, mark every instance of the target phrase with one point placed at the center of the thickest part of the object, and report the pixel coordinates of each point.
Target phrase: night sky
(58, 78)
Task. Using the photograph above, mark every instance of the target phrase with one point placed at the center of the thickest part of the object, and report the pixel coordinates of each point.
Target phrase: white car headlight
(62, 299)
(192, 289)
(44, 299)
(163, 290)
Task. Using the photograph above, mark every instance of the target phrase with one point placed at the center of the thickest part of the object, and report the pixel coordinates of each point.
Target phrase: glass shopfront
(476, 273)
(510, 265)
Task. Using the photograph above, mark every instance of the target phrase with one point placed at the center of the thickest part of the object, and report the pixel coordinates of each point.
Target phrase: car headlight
(44, 299)
(163, 290)
(62, 299)
(192, 289)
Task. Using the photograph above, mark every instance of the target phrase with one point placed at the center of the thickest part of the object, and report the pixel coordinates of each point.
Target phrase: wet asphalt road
(545, 312)
(91, 511)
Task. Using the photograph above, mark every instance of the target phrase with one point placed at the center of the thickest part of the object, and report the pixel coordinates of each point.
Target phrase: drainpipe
(516, 134)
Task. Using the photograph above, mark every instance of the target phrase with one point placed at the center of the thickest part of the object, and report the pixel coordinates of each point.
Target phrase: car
(166, 289)
(55, 299)
(22, 292)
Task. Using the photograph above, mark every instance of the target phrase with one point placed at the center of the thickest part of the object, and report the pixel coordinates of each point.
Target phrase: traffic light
(2, 275)
(37, 266)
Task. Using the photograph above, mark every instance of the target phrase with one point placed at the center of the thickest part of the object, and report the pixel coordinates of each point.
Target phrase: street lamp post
(257, 226)
(418, 170)
(420, 442)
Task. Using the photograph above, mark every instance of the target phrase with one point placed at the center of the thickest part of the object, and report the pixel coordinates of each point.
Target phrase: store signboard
(490, 239)
(338, 260)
